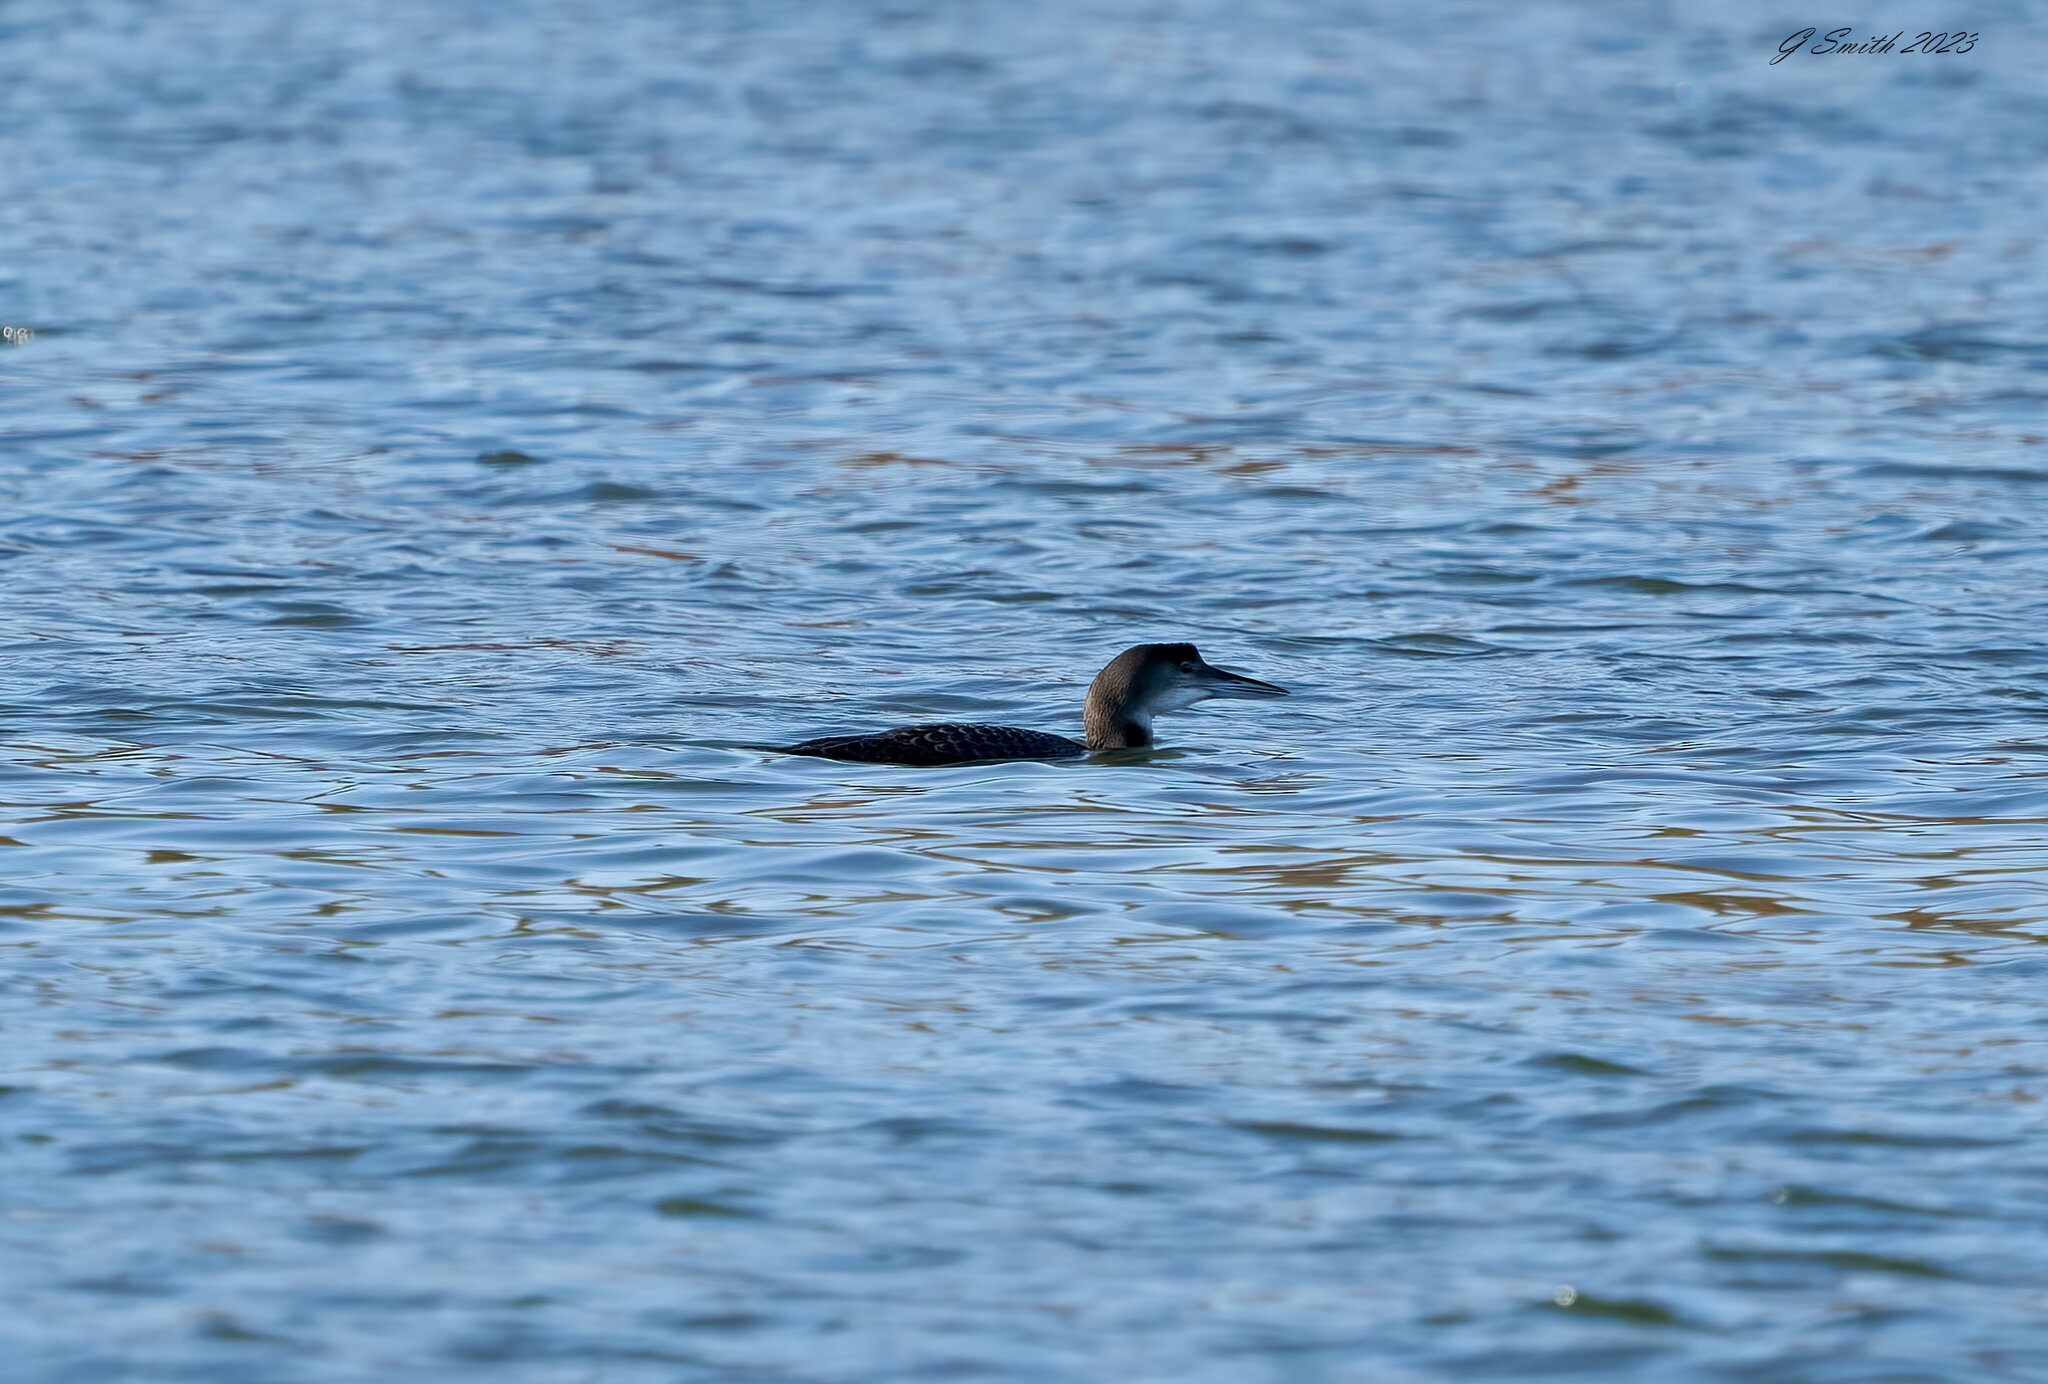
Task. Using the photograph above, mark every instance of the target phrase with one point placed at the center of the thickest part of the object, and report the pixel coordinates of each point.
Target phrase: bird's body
(948, 743)
(1137, 684)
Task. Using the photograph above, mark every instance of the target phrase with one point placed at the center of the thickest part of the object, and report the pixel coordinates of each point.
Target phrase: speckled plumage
(946, 743)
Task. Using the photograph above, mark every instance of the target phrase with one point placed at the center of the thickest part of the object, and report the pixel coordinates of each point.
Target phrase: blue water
(452, 434)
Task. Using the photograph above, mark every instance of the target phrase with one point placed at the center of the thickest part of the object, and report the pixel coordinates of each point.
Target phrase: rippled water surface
(453, 434)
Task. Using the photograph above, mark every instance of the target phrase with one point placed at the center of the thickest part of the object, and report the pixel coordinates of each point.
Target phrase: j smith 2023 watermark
(1837, 41)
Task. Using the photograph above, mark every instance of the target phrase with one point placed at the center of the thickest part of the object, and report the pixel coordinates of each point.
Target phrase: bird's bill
(1221, 682)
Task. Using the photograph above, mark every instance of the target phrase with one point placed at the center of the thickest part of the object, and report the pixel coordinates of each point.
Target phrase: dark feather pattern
(948, 743)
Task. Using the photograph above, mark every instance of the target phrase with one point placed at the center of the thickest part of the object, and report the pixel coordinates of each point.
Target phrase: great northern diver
(1138, 684)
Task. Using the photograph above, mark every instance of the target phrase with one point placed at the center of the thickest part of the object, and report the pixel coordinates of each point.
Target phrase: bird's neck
(1115, 726)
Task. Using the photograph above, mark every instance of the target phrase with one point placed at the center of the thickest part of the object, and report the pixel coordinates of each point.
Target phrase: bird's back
(946, 743)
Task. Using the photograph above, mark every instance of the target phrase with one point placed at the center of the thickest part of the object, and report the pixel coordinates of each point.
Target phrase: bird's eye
(1187, 667)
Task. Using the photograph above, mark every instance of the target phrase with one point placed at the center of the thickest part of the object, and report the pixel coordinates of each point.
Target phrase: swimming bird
(1137, 685)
